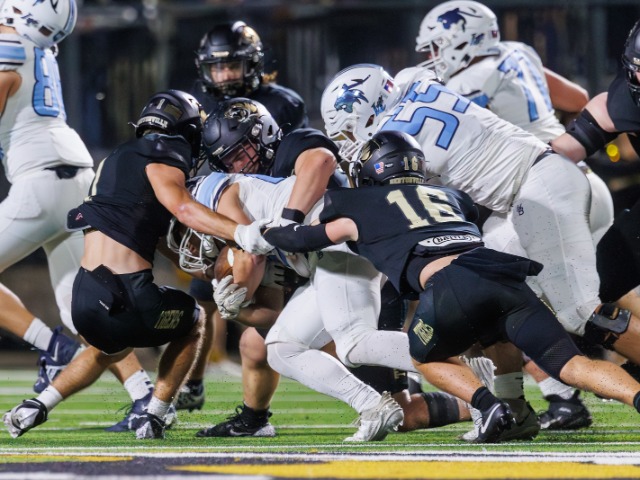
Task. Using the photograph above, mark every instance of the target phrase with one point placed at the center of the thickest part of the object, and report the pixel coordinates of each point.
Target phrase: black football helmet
(389, 158)
(227, 43)
(175, 113)
(631, 61)
(236, 124)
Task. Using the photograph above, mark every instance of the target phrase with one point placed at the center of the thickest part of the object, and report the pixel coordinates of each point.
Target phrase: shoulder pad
(12, 52)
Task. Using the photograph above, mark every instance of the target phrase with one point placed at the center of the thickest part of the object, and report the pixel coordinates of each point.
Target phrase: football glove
(229, 297)
(249, 238)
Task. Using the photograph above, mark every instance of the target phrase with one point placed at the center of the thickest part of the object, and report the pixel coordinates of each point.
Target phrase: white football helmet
(455, 32)
(44, 22)
(196, 251)
(354, 102)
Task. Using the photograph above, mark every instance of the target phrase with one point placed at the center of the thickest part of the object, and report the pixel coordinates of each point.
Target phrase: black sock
(483, 399)
(255, 415)
(636, 401)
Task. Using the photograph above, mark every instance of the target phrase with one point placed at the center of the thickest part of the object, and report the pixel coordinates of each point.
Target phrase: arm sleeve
(298, 238)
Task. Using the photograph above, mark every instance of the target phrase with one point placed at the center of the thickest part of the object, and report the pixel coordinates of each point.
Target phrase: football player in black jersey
(606, 116)
(422, 238)
(230, 63)
(241, 136)
(115, 305)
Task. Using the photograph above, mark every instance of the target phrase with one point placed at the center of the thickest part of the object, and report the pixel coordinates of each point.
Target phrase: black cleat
(564, 414)
(241, 425)
(493, 422)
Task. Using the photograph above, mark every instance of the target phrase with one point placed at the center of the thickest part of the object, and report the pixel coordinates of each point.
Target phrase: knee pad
(279, 355)
(606, 325)
(443, 408)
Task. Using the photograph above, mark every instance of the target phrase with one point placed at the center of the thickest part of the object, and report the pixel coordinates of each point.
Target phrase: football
(224, 263)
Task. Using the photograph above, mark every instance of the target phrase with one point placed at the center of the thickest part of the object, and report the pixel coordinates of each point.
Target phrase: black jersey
(284, 105)
(397, 221)
(620, 105)
(122, 203)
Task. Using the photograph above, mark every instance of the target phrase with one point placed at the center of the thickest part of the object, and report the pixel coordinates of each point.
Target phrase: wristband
(293, 214)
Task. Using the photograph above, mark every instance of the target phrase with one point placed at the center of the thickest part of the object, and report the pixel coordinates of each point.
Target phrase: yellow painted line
(419, 470)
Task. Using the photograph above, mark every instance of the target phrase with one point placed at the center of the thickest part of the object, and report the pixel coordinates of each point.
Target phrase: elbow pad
(297, 238)
(592, 137)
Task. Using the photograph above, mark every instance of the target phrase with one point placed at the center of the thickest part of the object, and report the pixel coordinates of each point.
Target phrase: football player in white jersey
(510, 79)
(503, 168)
(306, 324)
(48, 166)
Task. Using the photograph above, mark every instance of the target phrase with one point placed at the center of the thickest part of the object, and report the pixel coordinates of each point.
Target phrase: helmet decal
(455, 17)
(350, 95)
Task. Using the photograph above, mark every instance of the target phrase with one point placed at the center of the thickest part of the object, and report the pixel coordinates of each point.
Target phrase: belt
(542, 156)
(65, 171)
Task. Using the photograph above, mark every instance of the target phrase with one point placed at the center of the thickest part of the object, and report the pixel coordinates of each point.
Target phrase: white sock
(38, 334)
(509, 385)
(50, 397)
(138, 385)
(157, 407)
(323, 373)
(551, 386)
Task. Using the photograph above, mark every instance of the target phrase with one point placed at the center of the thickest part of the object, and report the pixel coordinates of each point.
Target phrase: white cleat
(22, 418)
(377, 422)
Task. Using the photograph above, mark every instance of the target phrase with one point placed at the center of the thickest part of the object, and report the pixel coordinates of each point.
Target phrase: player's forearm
(299, 238)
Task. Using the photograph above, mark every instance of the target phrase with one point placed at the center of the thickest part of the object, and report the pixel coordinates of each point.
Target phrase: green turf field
(312, 426)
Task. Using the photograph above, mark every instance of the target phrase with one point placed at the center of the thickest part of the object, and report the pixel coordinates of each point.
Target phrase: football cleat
(22, 418)
(526, 424)
(493, 422)
(564, 414)
(138, 408)
(377, 422)
(242, 424)
(51, 361)
(148, 426)
(190, 398)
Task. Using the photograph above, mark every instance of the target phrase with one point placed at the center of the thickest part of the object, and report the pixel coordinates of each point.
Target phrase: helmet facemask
(256, 160)
(241, 127)
(631, 62)
(197, 252)
(353, 105)
(234, 45)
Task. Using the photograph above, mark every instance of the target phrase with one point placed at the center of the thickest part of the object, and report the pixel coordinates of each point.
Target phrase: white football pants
(551, 218)
(34, 215)
(340, 302)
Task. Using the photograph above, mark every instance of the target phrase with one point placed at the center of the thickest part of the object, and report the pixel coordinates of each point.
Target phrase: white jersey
(34, 134)
(469, 147)
(510, 81)
(261, 196)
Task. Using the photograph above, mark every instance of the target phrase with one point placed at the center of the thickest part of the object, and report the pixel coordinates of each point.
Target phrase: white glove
(229, 297)
(249, 238)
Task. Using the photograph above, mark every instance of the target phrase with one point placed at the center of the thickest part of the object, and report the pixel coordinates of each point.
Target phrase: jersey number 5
(429, 105)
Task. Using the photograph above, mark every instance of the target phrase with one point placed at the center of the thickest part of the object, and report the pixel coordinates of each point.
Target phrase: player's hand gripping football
(229, 297)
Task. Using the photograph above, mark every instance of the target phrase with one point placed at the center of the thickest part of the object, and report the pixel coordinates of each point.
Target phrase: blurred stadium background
(123, 51)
